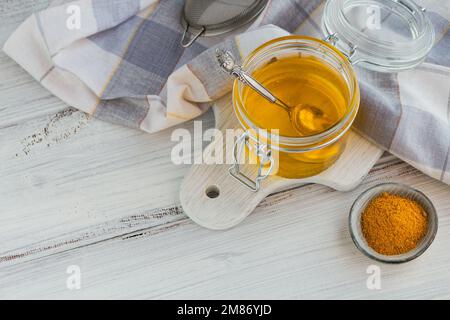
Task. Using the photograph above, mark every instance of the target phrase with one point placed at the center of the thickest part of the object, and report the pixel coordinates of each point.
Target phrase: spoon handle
(228, 64)
(254, 84)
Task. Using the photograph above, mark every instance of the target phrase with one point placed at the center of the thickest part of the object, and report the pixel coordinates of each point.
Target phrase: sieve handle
(189, 38)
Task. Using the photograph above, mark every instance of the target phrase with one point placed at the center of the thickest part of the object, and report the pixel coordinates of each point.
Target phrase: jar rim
(321, 139)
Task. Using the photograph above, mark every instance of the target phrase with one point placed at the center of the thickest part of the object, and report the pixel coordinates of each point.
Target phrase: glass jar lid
(382, 35)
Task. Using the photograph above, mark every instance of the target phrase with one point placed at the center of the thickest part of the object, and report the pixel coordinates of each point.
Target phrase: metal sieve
(214, 17)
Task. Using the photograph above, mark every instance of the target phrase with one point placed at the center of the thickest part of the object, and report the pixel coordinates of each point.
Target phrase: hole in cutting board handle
(212, 192)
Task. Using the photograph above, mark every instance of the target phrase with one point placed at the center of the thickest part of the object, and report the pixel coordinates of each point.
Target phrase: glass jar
(298, 157)
(381, 35)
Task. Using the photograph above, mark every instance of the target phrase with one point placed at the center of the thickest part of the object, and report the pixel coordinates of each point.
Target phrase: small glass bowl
(364, 199)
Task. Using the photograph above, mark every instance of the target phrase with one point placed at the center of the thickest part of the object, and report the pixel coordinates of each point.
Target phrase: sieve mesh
(215, 17)
(211, 13)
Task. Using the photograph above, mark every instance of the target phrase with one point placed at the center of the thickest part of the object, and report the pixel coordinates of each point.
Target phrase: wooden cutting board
(235, 202)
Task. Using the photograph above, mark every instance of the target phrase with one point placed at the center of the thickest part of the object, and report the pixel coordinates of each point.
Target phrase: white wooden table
(79, 192)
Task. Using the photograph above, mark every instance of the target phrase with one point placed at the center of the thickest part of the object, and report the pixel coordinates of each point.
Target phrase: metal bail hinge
(264, 155)
(333, 39)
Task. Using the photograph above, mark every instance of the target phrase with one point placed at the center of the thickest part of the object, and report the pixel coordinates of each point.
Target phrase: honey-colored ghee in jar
(298, 81)
(303, 77)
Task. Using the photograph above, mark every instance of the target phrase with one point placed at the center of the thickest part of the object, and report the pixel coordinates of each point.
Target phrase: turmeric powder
(392, 224)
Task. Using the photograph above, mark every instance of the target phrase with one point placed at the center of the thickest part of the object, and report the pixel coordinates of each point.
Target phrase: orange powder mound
(393, 224)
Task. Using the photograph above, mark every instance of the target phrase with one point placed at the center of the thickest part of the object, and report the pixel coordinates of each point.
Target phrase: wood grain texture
(283, 250)
(105, 198)
(74, 172)
(234, 202)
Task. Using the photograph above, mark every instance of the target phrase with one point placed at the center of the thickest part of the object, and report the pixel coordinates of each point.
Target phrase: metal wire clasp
(264, 155)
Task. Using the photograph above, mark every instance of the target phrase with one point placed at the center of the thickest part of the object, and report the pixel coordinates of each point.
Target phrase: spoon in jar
(305, 119)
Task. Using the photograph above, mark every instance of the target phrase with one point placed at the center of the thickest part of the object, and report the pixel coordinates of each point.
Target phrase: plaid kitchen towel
(122, 62)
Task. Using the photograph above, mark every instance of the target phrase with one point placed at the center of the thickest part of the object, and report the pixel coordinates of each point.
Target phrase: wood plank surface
(295, 245)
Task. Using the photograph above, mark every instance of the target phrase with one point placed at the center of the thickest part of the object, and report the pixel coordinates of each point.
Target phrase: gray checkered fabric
(125, 65)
